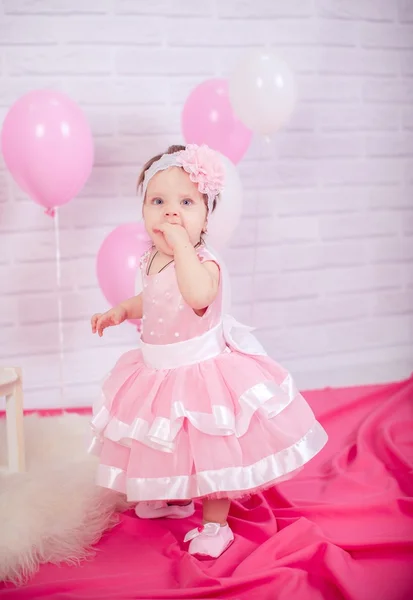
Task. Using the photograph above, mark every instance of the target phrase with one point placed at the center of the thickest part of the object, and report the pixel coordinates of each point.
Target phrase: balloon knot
(50, 212)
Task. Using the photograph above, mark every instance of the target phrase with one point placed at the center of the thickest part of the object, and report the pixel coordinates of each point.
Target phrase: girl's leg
(216, 511)
(174, 509)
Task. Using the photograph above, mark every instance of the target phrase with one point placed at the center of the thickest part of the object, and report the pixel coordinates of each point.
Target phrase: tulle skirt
(227, 426)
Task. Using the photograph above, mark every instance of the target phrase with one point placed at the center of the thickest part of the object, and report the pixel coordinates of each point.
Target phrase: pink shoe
(160, 509)
(209, 540)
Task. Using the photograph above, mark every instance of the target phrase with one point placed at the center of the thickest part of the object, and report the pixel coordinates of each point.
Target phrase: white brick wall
(322, 261)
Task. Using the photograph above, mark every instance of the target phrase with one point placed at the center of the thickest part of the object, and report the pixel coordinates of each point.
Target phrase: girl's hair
(171, 150)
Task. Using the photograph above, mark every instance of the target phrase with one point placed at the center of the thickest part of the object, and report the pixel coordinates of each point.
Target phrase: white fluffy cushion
(54, 512)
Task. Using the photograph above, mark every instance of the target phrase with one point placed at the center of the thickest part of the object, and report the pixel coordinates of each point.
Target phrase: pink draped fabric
(342, 529)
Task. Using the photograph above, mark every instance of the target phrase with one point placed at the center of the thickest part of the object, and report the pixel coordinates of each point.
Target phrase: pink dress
(199, 409)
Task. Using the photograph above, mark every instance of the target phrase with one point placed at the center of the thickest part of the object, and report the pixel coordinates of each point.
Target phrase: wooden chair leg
(15, 427)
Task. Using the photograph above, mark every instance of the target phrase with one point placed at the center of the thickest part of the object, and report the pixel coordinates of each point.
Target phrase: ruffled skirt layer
(224, 427)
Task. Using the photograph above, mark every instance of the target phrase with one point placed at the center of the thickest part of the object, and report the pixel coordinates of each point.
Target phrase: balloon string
(59, 303)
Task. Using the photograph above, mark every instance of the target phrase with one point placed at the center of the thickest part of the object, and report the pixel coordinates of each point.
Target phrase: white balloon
(262, 91)
(227, 214)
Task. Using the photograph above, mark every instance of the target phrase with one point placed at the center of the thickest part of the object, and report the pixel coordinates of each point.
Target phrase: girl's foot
(160, 510)
(211, 539)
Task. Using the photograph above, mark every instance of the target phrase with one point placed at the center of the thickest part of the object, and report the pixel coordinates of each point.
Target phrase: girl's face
(171, 197)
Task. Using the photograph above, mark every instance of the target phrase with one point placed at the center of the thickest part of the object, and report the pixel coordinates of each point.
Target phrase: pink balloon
(208, 118)
(48, 147)
(118, 262)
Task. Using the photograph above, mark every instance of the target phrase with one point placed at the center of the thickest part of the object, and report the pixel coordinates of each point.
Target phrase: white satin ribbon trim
(101, 415)
(189, 352)
(209, 529)
(267, 397)
(230, 479)
(204, 347)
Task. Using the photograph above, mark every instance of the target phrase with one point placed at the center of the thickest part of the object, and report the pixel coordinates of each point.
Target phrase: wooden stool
(11, 387)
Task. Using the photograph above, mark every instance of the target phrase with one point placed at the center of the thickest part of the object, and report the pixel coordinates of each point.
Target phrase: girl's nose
(171, 213)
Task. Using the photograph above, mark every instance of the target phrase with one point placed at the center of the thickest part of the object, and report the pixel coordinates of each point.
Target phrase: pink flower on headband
(204, 167)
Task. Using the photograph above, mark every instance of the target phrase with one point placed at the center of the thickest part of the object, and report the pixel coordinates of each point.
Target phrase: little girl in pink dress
(199, 410)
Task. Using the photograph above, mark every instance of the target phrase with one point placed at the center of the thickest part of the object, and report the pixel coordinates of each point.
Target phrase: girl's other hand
(112, 317)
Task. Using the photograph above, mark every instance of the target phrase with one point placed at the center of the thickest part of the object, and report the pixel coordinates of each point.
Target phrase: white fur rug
(54, 512)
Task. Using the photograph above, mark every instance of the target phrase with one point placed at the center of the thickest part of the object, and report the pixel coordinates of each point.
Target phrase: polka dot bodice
(167, 318)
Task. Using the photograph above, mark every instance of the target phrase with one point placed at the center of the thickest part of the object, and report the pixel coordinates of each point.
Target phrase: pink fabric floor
(343, 529)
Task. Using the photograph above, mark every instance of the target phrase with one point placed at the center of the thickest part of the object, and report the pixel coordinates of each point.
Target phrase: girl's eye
(187, 201)
(157, 201)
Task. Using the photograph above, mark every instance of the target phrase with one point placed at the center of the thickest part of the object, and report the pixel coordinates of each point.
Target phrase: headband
(203, 165)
